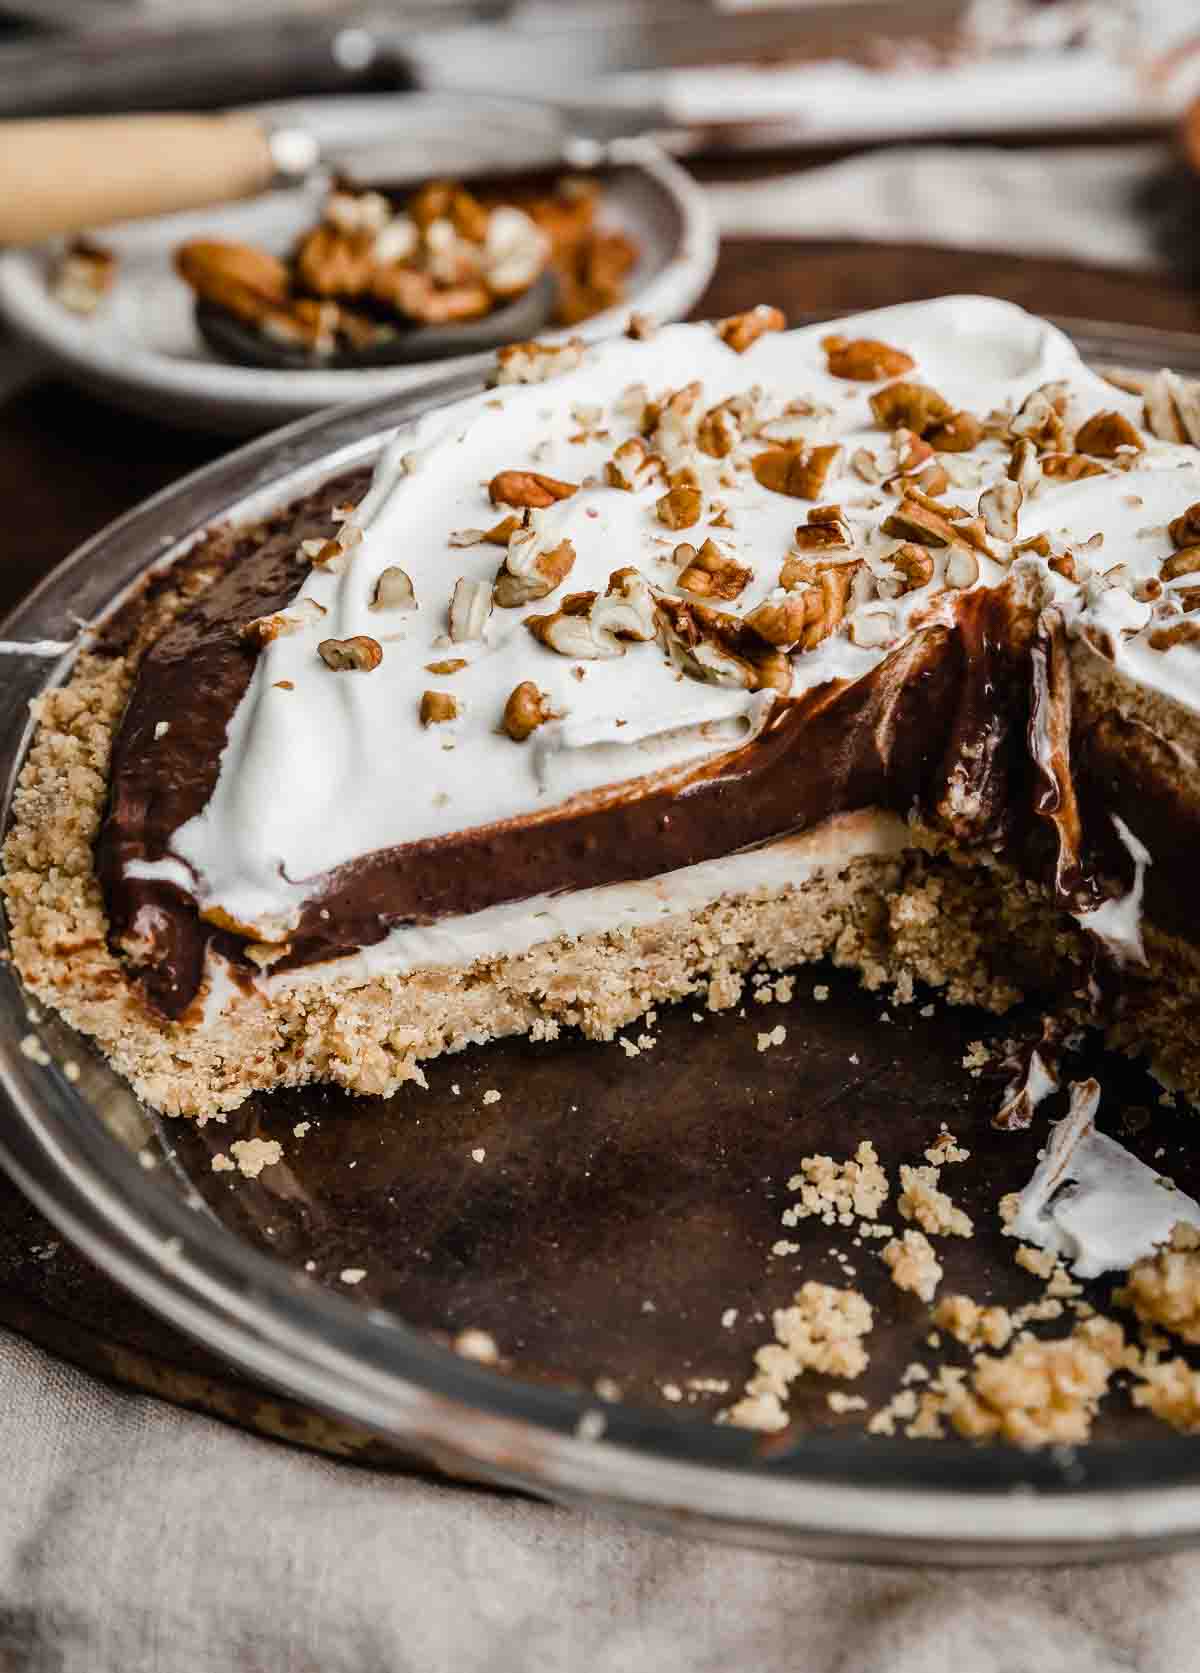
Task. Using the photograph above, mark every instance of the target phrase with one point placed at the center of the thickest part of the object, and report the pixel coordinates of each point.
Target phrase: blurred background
(677, 156)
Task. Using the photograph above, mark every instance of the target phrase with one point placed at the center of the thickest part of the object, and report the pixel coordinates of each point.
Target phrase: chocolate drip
(968, 724)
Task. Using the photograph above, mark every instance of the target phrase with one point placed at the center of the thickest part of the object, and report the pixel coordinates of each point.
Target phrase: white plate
(141, 348)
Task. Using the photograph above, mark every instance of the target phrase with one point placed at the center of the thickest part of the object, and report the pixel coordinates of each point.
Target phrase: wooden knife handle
(69, 173)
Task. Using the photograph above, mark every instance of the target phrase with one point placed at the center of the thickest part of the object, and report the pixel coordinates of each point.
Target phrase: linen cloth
(138, 1538)
(1078, 203)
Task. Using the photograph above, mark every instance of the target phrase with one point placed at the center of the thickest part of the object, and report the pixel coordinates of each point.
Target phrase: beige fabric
(135, 1538)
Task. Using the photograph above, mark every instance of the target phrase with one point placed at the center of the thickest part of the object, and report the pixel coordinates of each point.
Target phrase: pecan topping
(1042, 417)
(864, 360)
(825, 531)
(680, 507)
(1062, 563)
(932, 480)
(447, 665)
(709, 572)
(999, 507)
(720, 648)
(633, 466)
(1024, 465)
(531, 569)
(1070, 466)
(528, 488)
(249, 282)
(718, 432)
(527, 708)
(913, 521)
(739, 331)
(470, 607)
(590, 625)
(962, 568)
(438, 707)
(641, 327)
(909, 406)
(360, 653)
(1106, 434)
(263, 629)
(807, 617)
(1186, 561)
(1184, 530)
(1179, 633)
(535, 362)
(914, 564)
(959, 434)
(333, 262)
(795, 470)
(394, 590)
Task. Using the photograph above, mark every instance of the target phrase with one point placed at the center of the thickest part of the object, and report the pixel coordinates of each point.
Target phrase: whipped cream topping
(1092, 1201)
(323, 767)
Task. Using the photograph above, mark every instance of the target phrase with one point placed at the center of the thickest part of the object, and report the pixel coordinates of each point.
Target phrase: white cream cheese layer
(322, 767)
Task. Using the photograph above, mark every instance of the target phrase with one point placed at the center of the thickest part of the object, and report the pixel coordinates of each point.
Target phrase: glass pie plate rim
(838, 1494)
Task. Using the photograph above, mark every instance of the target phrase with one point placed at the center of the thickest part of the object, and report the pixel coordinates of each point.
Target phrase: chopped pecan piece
(590, 625)
(531, 569)
(864, 360)
(933, 480)
(394, 590)
(332, 262)
(418, 297)
(1179, 633)
(1024, 465)
(914, 564)
(959, 434)
(913, 521)
(470, 607)
(633, 466)
(720, 648)
(718, 432)
(641, 327)
(1069, 467)
(1038, 543)
(437, 707)
(1042, 417)
(1106, 434)
(1062, 563)
(825, 531)
(359, 654)
(1184, 530)
(999, 507)
(263, 629)
(711, 573)
(535, 362)
(528, 488)
(795, 470)
(864, 464)
(527, 708)
(909, 406)
(247, 281)
(962, 568)
(447, 665)
(1186, 561)
(680, 507)
(84, 276)
(807, 617)
(739, 331)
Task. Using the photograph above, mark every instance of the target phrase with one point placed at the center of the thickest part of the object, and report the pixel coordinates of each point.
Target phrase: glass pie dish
(590, 1213)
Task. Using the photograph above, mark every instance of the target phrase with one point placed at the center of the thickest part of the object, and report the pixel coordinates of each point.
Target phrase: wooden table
(69, 465)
